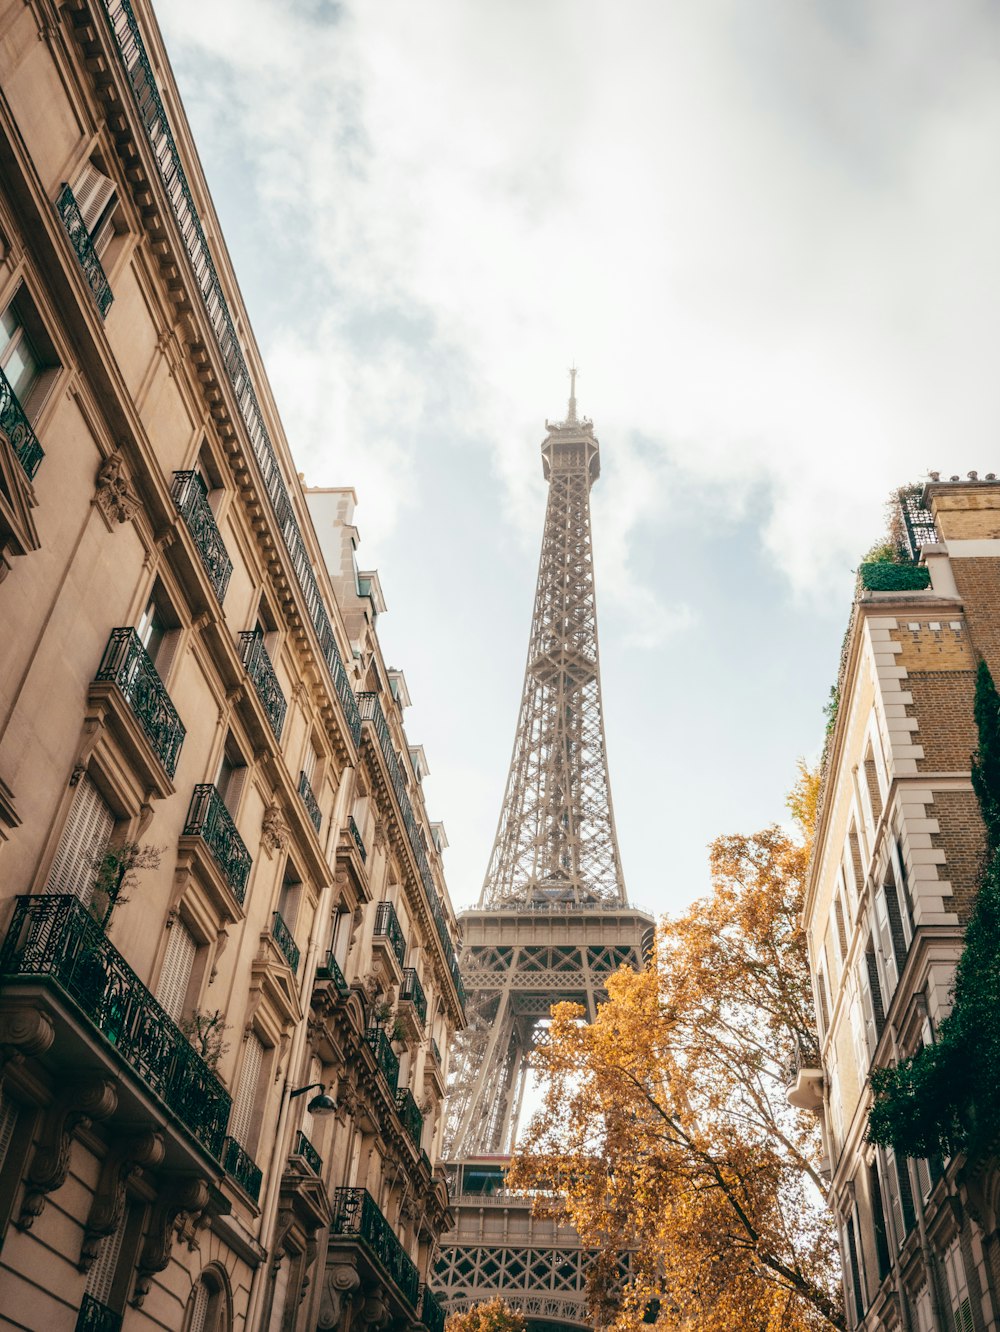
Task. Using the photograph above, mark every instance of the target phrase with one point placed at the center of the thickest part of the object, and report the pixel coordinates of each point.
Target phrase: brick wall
(962, 839)
(978, 583)
(946, 728)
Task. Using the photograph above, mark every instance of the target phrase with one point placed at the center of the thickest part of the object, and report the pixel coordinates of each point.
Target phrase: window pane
(8, 326)
(22, 368)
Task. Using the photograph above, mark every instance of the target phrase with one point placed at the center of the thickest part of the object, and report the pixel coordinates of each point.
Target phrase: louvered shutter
(88, 829)
(8, 1118)
(886, 948)
(924, 1310)
(199, 1308)
(93, 191)
(871, 1031)
(890, 1194)
(102, 1274)
(175, 974)
(241, 1119)
(280, 1295)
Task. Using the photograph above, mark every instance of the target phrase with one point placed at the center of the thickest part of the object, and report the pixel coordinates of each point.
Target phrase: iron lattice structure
(552, 922)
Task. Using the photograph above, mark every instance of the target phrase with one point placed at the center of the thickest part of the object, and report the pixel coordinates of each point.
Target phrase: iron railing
(329, 969)
(127, 664)
(431, 1313)
(355, 1212)
(409, 1114)
(209, 819)
(387, 926)
(83, 248)
(54, 935)
(261, 672)
(188, 493)
(918, 522)
(240, 1166)
(385, 1056)
(305, 1149)
(371, 711)
(282, 936)
(436, 1052)
(309, 800)
(139, 72)
(97, 1317)
(17, 428)
(413, 991)
(352, 828)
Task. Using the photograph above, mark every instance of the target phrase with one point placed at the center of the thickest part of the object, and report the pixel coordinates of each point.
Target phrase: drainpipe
(269, 1208)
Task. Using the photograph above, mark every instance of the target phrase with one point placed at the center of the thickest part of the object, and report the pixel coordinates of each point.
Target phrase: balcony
(412, 992)
(804, 1079)
(355, 1212)
(409, 1114)
(385, 1057)
(17, 428)
(126, 665)
(83, 248)
(282, 936)
(209, 819)
(434, 1080)
(352, 828)
(309, 800)
(55, 938)
(329, 970)
(431, 1314)
(188, 493)
(387, 927)
(97, 1317)
(309, 1154)
(240, 1166)
(258, 666)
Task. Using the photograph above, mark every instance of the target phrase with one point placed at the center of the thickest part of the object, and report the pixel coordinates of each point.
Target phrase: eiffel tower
(552, 920)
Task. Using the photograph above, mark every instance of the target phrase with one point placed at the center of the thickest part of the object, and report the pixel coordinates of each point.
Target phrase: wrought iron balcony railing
(55, 936)
(83, 248)
(309, 800)
(371, 711)
(305, 1149)
(385, 1056)
(431, 1313)
(261, 672)
(97, 1317)
(189, 496)
(329, 970)
(139, 73)
(412, 990)
(387, 926)
(355, 1212)
(436, 1052)
(209, 819)
(127, 664)
(17, 428)
(240, 1166)
(352, 828)
(282, 936)
(409, 1114)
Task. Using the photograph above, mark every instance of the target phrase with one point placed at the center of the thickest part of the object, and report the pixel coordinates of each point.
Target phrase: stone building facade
(227, 954)
(894, 873)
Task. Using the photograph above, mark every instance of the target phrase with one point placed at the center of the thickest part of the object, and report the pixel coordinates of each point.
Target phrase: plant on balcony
(207, 1033)
(116, 874)
(384, 1016)
(945, 1098)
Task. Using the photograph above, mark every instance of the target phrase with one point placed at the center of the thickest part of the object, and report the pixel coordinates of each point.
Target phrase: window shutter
(175, 974)
(88, 829)
(8, 1118)
(890, 1194)
(199, 1308)
(885, 945)
(924, 1310)
(241, 1120)
(93, 192)
(901, 1174)
(102, 1274)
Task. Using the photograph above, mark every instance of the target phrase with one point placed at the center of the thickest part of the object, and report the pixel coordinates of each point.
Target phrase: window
(923, 1307)
(26, 353)
(291, 891)
(230, 776)
(84, 839)
(96, 199)
(175, 973)
(879, 1223)
(208, 1307)
(852, 1272)
(101, 1277)
(241, 1122)
(958, 1288)
(157, 630)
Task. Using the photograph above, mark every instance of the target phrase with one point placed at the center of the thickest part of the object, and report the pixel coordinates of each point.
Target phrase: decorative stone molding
(188, 1195)
(340, 1286)
(127, 1156)
(24, 1032)
(114, 497)
(273, 830)
(80, 1104)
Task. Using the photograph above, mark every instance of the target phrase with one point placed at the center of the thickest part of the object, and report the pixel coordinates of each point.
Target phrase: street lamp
(319, 1105)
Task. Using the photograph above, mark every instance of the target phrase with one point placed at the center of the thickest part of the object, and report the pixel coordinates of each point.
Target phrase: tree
(490, 1316)
(665, 1134)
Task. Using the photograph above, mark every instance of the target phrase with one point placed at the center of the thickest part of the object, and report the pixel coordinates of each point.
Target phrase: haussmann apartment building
(894, 874)
(227, 955)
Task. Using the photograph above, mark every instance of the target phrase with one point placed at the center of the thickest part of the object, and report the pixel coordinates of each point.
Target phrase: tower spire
(571, 413)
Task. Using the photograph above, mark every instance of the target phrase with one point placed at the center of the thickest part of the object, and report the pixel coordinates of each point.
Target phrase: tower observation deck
(552, 922)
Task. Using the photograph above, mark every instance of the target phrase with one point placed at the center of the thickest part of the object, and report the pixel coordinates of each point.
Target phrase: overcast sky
(767, 233)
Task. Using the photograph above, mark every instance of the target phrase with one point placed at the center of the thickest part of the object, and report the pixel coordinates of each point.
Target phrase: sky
(767, 235)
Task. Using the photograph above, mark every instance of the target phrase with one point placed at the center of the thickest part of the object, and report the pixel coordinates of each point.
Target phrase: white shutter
(199, 1308)
(241, 1119)
(280, 1295)
(102, 1274)
(890, 1194)
(93, 191)
(88, 829)
(885, 946)
(924, 1310)
(175, 974)
(868, 1012)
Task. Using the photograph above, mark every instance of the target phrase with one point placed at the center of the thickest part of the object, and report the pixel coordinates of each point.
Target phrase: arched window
(210, 1307)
